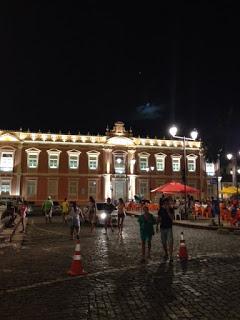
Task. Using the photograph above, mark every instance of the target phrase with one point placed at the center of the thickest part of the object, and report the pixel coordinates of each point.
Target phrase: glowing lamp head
(194, 134)
(119, 160)
(103, 215)
(152, 168)
(173, 131)
(229, 156)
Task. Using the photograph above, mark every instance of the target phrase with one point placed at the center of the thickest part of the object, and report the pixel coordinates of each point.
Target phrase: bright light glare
(152, 168)
(194, 134)
(103, 215)
(229, 156)
(173, 131)
(119, 160)
(238, 171)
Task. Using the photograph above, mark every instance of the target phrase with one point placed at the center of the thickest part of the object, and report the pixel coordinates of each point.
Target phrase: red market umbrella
(175, 187)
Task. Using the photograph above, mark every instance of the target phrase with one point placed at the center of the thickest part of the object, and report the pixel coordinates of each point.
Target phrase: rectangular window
(191, 165)
(73, 162)
(5, 187)
(143, 188)
(92, 162)
(210, 169)
(31, 188)
(53, 161)
(119, 164)
(92, 188)
(53, 188)
(7, 161)
(176, 164)
(160, 164)
(73, 189)
(143, 163)
(32, 160)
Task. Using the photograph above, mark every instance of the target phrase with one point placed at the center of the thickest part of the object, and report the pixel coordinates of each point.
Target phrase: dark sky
(66, 67)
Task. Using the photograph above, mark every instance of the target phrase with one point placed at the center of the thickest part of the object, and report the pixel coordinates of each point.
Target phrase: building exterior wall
(77, 184)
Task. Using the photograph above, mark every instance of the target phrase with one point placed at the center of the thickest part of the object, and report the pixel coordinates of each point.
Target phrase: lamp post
(150, 170)
(235, 171)
(173, 131)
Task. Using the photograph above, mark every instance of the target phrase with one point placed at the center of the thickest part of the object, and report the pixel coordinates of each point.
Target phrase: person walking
(146, 222)
(23, 213)
(75, 215)
(108, 207)
(92, 213)
(47, 209)
(65, 210)
(165, 218)
(121, 215)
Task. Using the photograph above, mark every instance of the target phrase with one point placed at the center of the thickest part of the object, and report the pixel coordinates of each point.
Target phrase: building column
(131, 186)
(19, 191)
(131, 160)
(107, 186)
(107, 160)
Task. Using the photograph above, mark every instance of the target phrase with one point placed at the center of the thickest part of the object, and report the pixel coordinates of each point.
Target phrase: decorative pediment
(8, 137)
(120, 141)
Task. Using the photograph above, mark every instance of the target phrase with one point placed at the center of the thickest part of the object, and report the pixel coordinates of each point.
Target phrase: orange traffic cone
(183, 255)
(76, 266)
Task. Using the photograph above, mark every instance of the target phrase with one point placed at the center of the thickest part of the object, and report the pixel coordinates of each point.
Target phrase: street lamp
(150, 170)
(235, 170)
(173, 132)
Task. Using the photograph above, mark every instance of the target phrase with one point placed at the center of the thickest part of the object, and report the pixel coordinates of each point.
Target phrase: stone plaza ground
(34, 283)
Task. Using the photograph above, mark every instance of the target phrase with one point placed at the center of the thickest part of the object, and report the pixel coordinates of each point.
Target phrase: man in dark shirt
(165, 217)
(108, 207)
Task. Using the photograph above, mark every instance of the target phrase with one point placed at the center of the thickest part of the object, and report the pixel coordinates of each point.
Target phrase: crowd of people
(148, 223)
(74, 215)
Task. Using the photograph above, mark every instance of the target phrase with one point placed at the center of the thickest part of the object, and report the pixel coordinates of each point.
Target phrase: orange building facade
(117, 165)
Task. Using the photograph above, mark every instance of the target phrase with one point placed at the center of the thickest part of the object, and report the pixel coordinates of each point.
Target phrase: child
(146, 222)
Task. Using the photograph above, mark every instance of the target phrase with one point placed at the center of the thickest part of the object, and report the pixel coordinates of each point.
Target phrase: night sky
(79, 68)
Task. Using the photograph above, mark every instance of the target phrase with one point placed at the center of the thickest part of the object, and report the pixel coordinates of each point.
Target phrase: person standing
(165, 217)
(65, 210)
(121, 215)
(23, 213)
(92, 213)
(47, 209)
(146, 222)
(108, 207)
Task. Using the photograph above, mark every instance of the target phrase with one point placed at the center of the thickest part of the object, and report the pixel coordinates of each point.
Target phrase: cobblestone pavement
(34, 283)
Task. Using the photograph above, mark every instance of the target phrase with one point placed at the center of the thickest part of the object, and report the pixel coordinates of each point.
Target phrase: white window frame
(191, 157)
(95, 159)
(73, 153)
(34, 181)
(160, 156)
(119, 168)
(178, 159)
(7, 150)
(56, 153)
(9, 181)
(32, 152)
(143, 156)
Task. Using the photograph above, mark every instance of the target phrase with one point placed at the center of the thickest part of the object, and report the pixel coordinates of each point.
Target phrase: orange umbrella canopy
(175, 187)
